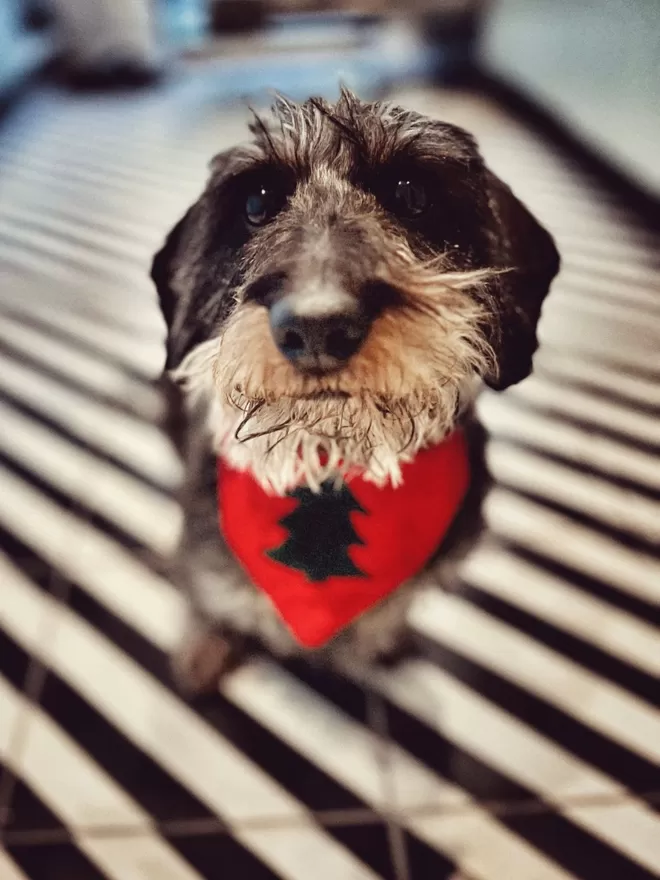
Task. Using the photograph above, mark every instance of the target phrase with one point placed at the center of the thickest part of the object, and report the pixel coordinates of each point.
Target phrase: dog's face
(342, 284)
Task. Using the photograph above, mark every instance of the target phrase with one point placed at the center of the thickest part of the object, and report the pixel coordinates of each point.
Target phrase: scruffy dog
(334, 301)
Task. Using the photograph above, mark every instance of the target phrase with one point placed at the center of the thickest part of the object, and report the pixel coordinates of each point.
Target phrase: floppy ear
(198, 264)
(163, 270)
(524, 248)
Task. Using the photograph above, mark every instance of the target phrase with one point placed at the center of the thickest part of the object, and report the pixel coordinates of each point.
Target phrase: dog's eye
(410, 197)
(261, 205)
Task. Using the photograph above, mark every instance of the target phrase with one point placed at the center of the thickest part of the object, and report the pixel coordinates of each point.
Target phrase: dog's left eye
(261, 205)
(410, 197)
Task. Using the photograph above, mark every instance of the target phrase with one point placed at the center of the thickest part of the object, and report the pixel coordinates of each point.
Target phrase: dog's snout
(317, 339)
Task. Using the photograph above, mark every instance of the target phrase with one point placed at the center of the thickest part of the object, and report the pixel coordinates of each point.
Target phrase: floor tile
(68, 781)
(28, 813)
(476, 844)
(132, 767)
(544, 844)
(313, 726)
(488, 743)
(60, 861)
(17, 612)
(516, 744)
(605, 842)
(9, 870)
(19, 674)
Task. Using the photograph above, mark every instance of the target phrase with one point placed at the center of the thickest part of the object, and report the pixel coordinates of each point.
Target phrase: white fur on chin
(403, 390)
(325, 437)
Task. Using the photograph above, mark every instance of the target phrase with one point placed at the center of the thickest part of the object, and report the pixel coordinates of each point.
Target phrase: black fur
(213, 263)
(473, 213)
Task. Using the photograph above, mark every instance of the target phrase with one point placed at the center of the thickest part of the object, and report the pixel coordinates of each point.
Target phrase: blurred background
(594, 64)
(522, 740)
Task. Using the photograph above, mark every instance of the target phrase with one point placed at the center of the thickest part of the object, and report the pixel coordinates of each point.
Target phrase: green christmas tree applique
(320, 533)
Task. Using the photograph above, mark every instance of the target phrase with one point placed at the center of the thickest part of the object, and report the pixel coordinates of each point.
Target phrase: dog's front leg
(224, 611)
(210, 643)
(224, 608)
(202, 658)
(202, 567)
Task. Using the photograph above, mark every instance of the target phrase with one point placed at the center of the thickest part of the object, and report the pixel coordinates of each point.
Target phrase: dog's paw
(403, 649)
(202, 660)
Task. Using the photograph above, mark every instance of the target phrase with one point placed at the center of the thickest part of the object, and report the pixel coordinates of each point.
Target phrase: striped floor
(523, 743)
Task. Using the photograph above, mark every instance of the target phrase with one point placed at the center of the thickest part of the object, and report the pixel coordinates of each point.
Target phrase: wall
(596, 62)
(20, 52)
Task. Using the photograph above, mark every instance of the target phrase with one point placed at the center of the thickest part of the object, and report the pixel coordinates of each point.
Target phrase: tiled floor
(524, 741)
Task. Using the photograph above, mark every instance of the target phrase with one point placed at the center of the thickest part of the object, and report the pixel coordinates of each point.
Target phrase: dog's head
(343, 283)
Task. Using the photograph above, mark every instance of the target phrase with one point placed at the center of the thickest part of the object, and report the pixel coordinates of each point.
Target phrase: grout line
(6, 790)
(186, 827)
(378, 723)
(502, 809)
(326, 819)
(398, 851)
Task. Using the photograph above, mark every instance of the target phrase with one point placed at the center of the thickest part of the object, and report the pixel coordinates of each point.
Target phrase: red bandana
(325, 558)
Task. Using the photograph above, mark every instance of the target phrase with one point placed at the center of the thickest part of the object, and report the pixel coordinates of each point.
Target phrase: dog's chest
(324, 558)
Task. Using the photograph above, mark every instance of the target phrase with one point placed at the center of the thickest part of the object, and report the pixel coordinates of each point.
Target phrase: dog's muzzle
(318, 330)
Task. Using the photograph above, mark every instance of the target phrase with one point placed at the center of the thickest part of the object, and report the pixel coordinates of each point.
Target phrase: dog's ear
(197, 265)
(527, 253)
(163, 272)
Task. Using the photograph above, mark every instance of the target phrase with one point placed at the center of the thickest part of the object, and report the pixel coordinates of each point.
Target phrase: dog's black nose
(317, 339)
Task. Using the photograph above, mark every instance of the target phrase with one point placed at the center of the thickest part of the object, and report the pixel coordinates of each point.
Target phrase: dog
(334, 301)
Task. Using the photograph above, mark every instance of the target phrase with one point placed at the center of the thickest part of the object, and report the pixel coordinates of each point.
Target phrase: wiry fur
(453, 298)
(402, 392)
(315, 133)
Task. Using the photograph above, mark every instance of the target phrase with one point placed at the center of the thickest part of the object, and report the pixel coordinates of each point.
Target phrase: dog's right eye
(409, 197)
(404, 191)
(261, 205)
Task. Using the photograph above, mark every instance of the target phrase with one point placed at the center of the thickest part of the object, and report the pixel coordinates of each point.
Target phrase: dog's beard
(403, 391)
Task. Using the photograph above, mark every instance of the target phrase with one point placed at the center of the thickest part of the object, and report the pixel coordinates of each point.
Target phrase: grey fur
(460, 295)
